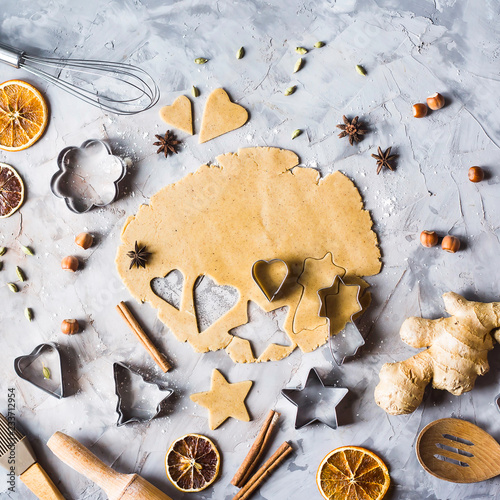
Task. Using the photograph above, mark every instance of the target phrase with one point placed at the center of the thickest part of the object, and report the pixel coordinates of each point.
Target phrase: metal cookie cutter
(134, 406)
(88, 176)
(261, 272)
(346, 342)
(497, 402)
(315, 401)
(43, 369)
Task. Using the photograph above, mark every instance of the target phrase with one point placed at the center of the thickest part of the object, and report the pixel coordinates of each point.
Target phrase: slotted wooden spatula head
(456, 450)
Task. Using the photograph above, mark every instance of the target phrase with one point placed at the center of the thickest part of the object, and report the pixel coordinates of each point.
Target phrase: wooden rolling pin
(116, 485)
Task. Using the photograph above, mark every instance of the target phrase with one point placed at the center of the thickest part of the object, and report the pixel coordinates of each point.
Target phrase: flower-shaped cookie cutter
(88, 176)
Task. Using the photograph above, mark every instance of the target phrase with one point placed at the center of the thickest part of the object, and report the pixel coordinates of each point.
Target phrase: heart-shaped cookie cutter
(258, 277)
(121, 372)
(75, 188)
(23, 363)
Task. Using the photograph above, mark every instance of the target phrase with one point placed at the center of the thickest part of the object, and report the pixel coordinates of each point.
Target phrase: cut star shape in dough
(179, 114)
(224, 400)
(221, 116)
(315, 401)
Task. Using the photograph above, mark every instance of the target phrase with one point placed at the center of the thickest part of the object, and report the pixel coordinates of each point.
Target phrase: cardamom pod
(296, 133)
(20, 274)
(361, 70)
(291, 90)
(13, 287)
(298, 65)
(301, 50)
(200, 60)
(27, 250)
(318, 45)
(2, 251)
(46, 372)
(195, 91)
(240, 53)
(29, 314)
(1, 265)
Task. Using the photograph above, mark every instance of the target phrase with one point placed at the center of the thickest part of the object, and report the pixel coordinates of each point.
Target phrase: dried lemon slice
(352, 473)
(23, 115)
(11, 190)
(192, 463)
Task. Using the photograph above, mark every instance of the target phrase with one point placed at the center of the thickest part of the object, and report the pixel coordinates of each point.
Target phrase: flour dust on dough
(254, 204)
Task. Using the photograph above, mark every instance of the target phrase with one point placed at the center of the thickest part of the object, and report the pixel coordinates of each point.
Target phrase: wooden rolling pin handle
(79, 458)
(117, 486)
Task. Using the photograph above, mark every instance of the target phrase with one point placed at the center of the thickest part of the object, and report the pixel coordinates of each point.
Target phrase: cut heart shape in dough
(179, 114)
(221, 115)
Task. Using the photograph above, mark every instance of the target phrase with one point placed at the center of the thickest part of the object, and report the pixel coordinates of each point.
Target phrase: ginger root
(457, 353)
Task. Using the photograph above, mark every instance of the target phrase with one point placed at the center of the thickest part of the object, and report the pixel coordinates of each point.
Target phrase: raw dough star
(224, 400)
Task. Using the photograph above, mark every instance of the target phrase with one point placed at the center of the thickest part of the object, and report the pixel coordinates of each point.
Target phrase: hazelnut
(450, 243)
(70, 326)
(429, 238)
(476, 174)
(435, 101)
(84, 240)
(419, 110)
(70, 263)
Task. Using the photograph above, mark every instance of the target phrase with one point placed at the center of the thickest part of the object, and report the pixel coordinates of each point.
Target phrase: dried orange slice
(192, 463)
(352, 473)
(23, 115)
(11, 190)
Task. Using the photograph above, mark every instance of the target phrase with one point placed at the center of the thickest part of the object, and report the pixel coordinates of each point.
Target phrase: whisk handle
(10, 55)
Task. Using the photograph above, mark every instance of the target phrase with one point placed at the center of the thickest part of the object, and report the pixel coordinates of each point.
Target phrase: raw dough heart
(253, 205)
(221, 116)
(179, 114)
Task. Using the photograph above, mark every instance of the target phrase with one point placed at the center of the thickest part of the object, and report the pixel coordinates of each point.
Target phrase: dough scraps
(224, 400)
(255, 204)
(179, 114)
(221, 115)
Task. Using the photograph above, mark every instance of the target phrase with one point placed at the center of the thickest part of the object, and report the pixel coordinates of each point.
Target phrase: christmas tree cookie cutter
(346, 342)
(129, 407)
(262, 273)
(315, 401)
(43, 368)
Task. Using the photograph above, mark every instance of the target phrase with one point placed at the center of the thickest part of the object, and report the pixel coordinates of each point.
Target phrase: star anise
(139, 256)
(383, 159)
(351, 129)
(167, 143)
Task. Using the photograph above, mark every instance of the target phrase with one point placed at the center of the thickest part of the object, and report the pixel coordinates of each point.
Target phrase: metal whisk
(126, 89)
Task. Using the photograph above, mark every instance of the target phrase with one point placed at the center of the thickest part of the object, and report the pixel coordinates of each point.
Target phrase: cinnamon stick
(134, 325)
(257, 450)
(264, 472)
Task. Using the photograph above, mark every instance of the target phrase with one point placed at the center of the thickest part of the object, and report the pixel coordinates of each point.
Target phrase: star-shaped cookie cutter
(124, 409)
(497, 402)
(315, 402)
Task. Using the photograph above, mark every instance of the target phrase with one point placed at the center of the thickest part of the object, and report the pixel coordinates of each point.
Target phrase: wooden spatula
(456, 450)
(117, 486)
